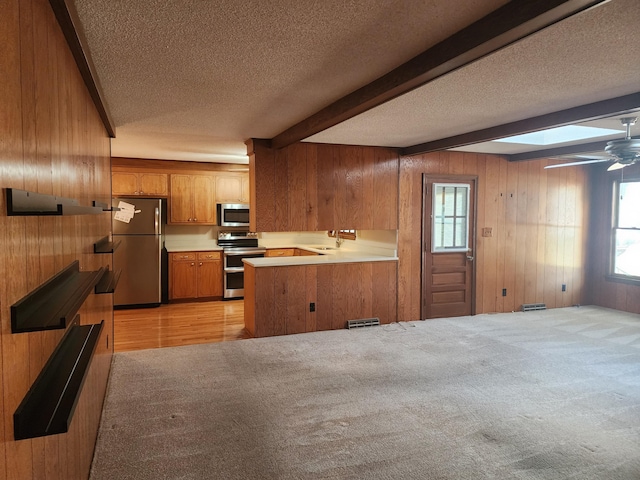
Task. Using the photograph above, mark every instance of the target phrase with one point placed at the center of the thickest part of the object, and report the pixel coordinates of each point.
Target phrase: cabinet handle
(141, 192)
(195, 219)
(192, 264)
(200, 263)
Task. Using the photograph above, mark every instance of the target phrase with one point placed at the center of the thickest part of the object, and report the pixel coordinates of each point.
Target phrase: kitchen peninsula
(307, 293)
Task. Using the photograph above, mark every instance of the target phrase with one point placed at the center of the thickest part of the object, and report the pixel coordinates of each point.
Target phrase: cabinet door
(228, 189)
(246, 197)
(210, 278)
(153, 184)
(181, 203)
(204, 205)
(124, 183)
(183, 280)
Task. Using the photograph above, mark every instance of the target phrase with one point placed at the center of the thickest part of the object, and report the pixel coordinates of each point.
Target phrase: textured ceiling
(192, 80)
(589, 57)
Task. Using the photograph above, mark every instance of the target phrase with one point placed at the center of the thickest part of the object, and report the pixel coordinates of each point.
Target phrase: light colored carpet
(536, 395)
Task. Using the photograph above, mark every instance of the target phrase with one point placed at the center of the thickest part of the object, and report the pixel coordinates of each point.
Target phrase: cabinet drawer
(305, 253)
(279, 252)
(181, 256)
(209, 256)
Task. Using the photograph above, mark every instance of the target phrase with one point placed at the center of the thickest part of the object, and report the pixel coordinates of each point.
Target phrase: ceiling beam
(591, 147)
(509, 23)
(64, 16)
(558, 151)
(583, 113)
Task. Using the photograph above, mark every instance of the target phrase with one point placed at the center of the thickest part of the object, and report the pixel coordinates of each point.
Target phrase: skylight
(552, 136)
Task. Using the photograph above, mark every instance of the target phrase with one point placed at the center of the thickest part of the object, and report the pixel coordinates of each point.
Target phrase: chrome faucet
(338, 239)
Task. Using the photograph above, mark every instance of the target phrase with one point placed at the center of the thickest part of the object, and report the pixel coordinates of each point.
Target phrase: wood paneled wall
(277, 298)
(603, 291)
(539, 226)
(52, 141)
(313, 187)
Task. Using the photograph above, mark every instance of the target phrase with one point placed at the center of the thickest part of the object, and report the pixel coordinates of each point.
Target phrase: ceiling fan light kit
(624, 151)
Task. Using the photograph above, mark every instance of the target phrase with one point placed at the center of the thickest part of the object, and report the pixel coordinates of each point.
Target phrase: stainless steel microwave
(233, 214)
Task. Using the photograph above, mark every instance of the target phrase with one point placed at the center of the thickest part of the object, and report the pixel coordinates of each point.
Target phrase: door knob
(470, 258)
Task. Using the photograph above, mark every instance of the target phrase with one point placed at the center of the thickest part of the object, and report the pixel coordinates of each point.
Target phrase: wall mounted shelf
(22, 203)
(108, 281)
(105, 207)
(54, 303)
(104, 245)
(48, 406)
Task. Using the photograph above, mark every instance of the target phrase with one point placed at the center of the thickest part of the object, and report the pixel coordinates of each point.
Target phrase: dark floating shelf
(105, 207)
(104, 245)
(108, 281)
(48, 406)
(22, 202)
(54, 303)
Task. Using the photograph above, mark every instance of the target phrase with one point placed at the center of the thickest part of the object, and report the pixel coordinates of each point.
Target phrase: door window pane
(450, 219)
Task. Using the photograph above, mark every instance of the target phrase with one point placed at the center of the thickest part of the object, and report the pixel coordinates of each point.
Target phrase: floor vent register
(528, 307)
(363, 322)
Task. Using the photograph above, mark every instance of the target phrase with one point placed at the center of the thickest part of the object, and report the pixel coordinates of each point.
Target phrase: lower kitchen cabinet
(195, 275)
(280, 252)
(288, 299)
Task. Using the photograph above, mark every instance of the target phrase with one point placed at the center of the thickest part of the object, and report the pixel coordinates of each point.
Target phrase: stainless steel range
(236, 246)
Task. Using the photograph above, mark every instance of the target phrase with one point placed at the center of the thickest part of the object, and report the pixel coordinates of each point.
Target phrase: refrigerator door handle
(157, 221)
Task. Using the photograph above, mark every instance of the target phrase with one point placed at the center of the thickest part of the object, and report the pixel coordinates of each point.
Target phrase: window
(450, 217)
(626, 230)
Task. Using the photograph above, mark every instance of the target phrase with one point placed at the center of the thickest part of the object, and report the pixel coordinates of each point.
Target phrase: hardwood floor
(179, 324)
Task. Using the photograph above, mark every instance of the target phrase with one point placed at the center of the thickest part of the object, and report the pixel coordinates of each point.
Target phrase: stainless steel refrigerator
(140, 252)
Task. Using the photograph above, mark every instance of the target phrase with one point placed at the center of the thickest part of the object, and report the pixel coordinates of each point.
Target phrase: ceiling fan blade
(616, 166)
(583, 162)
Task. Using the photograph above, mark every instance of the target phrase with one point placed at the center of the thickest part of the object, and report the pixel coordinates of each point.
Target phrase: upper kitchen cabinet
(232, 187)
(312, 187)
(192, 200)
(139, 183)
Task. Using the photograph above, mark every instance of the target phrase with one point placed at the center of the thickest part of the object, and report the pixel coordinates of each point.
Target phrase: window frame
(615, 207)
(434, 249)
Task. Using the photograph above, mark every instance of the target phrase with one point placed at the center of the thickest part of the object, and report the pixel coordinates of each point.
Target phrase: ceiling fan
(624, 151)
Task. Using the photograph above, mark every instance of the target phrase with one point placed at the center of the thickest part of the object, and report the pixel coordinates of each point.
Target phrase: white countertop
(194, 247)
(334, 255)
(326, 257)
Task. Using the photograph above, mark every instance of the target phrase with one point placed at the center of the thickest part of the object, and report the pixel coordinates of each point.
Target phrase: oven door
(233, 284)
(234, 272)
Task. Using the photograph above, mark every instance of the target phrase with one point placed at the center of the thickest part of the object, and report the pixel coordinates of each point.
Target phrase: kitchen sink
(321, 247)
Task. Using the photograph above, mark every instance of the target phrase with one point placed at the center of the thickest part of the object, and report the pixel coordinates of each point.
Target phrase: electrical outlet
(504, 292)
(487, 232)
(312, 307)
(564, 287)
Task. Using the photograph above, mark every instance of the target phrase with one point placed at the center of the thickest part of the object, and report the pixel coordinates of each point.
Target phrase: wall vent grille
(363, 322)
(528, 307)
